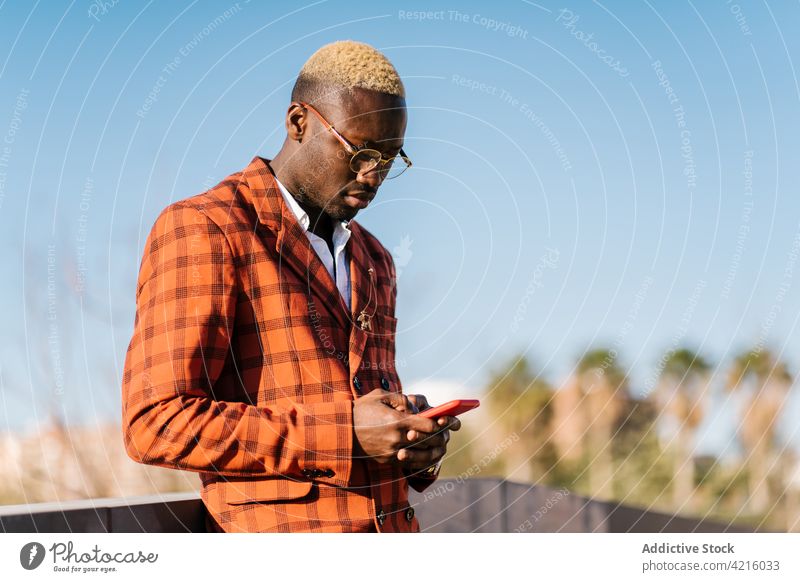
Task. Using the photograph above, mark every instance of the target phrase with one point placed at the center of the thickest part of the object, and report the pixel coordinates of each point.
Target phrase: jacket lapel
(364, 295)
(291, 243)
(296, 253)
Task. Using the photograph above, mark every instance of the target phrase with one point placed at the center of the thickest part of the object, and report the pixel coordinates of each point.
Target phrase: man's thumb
(398, 402)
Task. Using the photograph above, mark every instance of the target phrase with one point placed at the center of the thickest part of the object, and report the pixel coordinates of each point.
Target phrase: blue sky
(584, 174)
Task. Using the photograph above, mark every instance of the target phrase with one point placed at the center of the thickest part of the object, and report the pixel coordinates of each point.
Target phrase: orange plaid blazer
(245, 362)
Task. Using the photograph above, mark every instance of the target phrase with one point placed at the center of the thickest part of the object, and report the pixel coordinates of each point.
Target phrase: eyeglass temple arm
(341, 137)
(317, 113)
(405, 157)
(325, 122)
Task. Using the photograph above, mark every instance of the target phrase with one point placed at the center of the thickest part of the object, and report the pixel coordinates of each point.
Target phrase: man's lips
(359, 199)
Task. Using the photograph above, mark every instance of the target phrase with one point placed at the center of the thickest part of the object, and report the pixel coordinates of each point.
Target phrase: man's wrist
(433, 470)
(427, 473)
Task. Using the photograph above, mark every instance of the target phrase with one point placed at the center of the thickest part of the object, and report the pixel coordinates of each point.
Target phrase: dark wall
(449, 505)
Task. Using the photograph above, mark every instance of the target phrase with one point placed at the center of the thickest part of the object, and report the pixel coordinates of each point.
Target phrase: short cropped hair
(344, 65)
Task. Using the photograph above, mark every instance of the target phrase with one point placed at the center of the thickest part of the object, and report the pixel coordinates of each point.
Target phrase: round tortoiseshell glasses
(367, 159)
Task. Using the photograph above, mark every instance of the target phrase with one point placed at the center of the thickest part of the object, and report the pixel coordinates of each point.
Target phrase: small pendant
(363, 319)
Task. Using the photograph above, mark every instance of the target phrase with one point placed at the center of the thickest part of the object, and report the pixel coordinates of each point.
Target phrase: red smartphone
(452, 408)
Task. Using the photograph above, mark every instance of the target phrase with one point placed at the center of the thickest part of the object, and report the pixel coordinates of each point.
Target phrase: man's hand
(428, 447)
(382, 422)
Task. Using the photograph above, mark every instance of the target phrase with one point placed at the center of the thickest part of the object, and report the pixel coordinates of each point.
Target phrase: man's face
(366, 119)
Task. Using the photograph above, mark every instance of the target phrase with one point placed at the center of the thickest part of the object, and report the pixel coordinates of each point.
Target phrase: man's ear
(296, 122)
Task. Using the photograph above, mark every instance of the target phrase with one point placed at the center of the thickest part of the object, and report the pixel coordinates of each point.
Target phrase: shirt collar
(341, 227)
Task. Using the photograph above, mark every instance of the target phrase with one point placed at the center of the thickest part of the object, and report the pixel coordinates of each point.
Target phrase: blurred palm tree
(766, 382)
(521, 401)
(680, 398)
(587, 412)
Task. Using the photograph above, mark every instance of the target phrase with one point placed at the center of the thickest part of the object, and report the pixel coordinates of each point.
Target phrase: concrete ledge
(471, 505)
(495, 505)
(174, 512)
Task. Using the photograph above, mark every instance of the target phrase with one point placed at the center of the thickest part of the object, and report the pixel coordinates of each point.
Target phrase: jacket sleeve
(185, 310)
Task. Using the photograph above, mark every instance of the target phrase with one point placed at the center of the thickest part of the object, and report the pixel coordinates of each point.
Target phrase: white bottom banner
(390, 557)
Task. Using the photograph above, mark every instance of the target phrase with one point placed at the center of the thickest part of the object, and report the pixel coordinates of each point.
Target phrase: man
(263, 352)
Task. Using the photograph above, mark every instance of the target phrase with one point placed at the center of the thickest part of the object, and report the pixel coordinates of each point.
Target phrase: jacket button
(409, 514)
(384, 383)
(357, 384)
(381, 517)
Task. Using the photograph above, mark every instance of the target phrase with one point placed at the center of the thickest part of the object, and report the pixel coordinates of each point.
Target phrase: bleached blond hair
(346, 65)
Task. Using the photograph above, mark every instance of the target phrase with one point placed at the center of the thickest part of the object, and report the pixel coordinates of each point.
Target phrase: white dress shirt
(336, 264)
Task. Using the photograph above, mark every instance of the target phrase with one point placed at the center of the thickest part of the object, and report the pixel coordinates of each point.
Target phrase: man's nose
(373, 179)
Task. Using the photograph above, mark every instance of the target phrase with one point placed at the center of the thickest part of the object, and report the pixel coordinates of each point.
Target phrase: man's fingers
(449, 422)
(425, 440)
(419, 424)
(443, 424)
(419, 401)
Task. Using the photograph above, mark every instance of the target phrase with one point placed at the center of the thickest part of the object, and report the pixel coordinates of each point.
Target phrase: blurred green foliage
(590, 435)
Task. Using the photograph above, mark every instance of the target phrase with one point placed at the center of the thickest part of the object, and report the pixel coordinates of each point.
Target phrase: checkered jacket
(245, 362)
